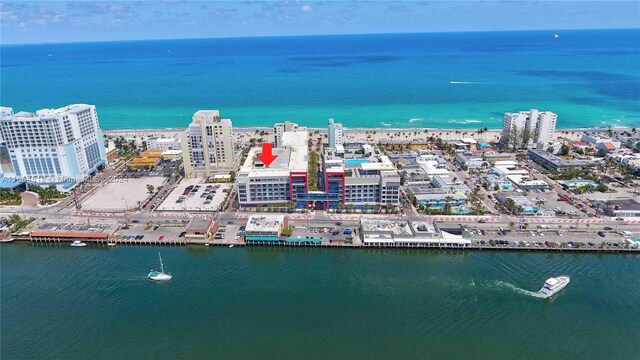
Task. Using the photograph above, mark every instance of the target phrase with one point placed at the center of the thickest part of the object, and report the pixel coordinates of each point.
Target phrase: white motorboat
(231, 245)
(111, 244)
(553, 285)
(78, 243)
(159, 275)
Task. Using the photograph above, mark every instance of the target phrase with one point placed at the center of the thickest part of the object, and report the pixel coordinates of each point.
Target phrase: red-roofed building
(606, 146)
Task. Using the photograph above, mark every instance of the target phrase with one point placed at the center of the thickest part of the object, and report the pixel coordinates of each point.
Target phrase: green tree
(150, 188)
(526, 137)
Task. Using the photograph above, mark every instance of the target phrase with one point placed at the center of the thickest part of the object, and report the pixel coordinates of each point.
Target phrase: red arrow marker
(267, 156)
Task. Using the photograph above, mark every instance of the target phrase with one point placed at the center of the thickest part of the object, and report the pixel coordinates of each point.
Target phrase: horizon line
(308, 35)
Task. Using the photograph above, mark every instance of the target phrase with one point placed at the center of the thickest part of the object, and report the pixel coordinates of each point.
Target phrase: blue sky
(73, 21)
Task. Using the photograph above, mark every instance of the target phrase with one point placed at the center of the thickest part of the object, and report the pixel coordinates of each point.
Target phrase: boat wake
(463, 82)
(509, 286)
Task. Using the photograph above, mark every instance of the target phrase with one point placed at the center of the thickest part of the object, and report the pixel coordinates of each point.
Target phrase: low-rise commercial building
(552, 162)
(147, 159)
(265, 228)
(601, 142)
(385, 233)
(620, 207)
(164, 144)
(468, 160)
(577, 183)
(525, 206)
(437, 198)
(198, 228)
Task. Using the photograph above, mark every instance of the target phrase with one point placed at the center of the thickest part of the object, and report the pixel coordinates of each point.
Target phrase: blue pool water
(356, 161)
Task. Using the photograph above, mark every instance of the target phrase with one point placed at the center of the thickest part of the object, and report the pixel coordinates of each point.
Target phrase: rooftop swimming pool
(356, 161)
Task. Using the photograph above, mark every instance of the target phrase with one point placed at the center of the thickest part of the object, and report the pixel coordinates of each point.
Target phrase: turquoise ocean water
(461, 80)
(60, 302)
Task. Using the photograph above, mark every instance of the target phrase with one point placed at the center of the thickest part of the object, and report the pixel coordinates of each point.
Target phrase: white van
(544, 226)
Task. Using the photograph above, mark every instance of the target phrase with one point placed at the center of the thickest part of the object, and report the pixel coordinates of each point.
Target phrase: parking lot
(164, 168)
(195, 195)
(121, 193)
(552, 202)
(547, 238)
(152, 231)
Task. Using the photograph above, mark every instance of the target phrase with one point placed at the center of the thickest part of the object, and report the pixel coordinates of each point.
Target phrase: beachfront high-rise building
(58, 147)
(534, 127)
(207, 144)
(281, 128)
(335, 134)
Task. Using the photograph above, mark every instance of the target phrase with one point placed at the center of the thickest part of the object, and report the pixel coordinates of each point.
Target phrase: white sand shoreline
(356, 135)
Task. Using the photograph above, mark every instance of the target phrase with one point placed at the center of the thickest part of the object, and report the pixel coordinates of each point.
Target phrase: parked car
(591, 244)
(601, 234)
(531, 233)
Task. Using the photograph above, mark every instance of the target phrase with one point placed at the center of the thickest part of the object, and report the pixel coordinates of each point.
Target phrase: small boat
(553, 285)
(556, 36)
(159, 275)
(207, 244)
(231, 245)
(78, 243)
(111, 244)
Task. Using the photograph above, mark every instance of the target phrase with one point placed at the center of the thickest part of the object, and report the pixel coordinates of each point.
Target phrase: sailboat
(159, 275)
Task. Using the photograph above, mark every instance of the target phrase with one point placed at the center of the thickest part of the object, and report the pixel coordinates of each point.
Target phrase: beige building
(207, 144)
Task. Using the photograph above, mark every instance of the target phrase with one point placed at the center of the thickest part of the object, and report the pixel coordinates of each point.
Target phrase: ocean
(60, 302)
(450, 80)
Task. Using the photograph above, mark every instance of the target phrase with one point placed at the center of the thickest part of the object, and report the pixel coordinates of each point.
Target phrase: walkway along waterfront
(442, 246)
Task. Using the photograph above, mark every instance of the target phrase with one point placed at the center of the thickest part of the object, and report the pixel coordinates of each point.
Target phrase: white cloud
(306, 8)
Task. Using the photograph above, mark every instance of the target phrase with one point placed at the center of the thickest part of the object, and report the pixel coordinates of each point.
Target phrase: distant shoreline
(360, 129)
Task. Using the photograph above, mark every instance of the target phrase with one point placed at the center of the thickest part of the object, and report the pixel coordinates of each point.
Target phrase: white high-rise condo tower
(207, 144)
(534, 127)
(59, 147)
(335, 134)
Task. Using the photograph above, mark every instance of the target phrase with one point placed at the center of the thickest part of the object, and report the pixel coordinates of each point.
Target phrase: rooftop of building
(42, 113)
(165, 140)
(558, 160)
(397, 228)
(66, 228)
(625, 204)
(293, 155)
(198, 224)
(264, 222)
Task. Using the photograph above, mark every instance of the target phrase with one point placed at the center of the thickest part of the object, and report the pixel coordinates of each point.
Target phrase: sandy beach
(243, 135)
